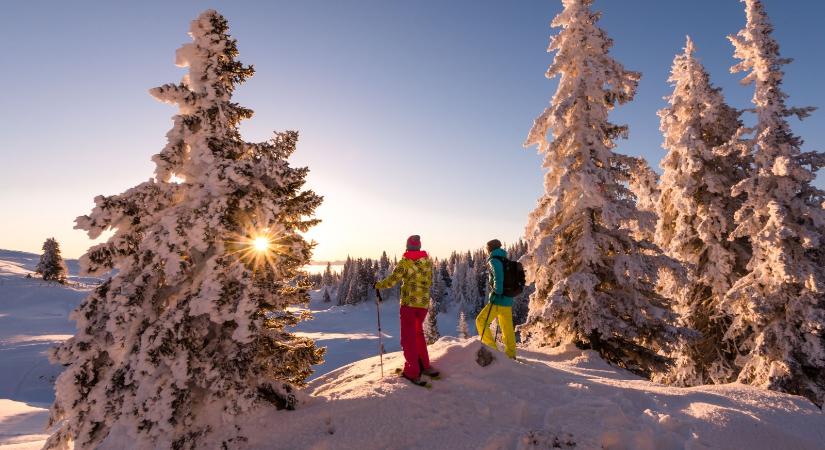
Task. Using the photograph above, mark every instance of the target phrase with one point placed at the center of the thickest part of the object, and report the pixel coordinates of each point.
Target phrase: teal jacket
(496, 274)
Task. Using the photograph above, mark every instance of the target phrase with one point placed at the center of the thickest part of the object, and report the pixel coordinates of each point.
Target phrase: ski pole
(486, 323)
(378, 301)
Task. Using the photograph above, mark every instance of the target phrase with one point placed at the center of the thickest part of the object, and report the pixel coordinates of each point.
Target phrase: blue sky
(411, 114)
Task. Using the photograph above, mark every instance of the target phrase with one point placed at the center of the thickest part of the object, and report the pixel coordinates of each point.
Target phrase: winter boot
(430, 372)
(416, 381)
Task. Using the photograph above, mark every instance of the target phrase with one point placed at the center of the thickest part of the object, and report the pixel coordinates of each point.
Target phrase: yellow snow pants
(504, 314)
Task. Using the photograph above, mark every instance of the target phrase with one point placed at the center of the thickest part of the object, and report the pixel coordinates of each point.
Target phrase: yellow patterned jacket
(415, 272)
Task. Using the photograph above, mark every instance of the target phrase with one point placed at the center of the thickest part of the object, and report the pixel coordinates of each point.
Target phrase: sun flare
(261, 248)
(261, 243)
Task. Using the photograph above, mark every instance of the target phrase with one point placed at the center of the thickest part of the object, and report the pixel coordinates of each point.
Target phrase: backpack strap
(503, 262)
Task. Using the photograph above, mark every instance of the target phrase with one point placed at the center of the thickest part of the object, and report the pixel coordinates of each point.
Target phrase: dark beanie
(414, 242)
(494, 244)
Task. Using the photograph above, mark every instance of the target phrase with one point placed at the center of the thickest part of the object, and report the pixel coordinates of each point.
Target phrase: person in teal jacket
(499, 306)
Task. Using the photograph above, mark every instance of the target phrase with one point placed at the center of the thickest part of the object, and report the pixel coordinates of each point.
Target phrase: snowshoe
(417, 381)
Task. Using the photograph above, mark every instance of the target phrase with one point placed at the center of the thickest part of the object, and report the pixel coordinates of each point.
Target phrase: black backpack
(514, 277)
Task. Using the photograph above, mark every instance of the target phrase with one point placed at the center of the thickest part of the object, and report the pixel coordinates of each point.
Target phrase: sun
(260, 243)
(259, 247)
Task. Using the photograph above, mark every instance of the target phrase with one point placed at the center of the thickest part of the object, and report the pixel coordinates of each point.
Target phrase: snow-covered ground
(557, 398)
(350, 333)
(33, 317)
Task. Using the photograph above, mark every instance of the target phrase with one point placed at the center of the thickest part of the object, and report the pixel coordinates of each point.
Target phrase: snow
(350, 333)
(561, 393)
(33, 317)
(557, 395)
(21, 425)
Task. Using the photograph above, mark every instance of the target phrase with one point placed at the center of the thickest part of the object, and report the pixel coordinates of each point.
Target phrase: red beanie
(414, 242)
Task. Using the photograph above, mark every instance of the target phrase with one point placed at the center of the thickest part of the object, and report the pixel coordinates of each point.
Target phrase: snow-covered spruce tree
(438, 290)
(521, 301)
(363, 279)
(354, 286)
(51, 265)
(778, 307)
(704, 160)
(383, 266)
(346, 280)
(643, 183)
(475, 301)
(327, 298)
(458, 291)
(431, 324)
(192, 329)
(463, 331)
(441, 277)
(327, 279)
(595, 284)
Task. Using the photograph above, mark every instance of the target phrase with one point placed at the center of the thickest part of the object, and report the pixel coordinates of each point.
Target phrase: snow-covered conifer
(521, 301)
(356, 283)
(361, 287)
(193, 327)
(778, 307)
(383, 266)
(441, 277)
(346, 280)
(431, 324)
(643, 183)
(458, 291)
(327, 279)
(704, 160)
(463, 331)
(482, 279)
(327, 298)
(595, 283)
(445, 273)
(51, 265)
(474, 300)
(438, 290)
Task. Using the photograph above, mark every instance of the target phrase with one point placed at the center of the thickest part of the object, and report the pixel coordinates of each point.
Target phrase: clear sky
(411, 113)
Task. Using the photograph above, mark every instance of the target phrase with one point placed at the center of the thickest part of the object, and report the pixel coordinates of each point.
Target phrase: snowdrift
(557, 398)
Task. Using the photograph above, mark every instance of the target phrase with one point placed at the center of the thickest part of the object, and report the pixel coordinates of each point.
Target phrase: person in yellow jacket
(414, 271)
(499, 307)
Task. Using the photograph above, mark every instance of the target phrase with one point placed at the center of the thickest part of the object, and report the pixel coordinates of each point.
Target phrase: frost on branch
(778, 306)
(192, 329)
(595, 282)
(695, 209)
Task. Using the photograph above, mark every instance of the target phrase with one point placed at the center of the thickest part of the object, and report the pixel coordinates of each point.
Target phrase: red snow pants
(413, 342)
